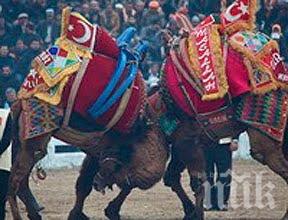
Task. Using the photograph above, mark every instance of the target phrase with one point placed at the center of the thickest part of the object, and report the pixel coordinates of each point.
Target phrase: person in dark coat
(30, 34)
(19, 26)
(5, 57)
(217, 192)
(49, 29)
(5, 165)
(5, 32)
(7, 79)
(24, 63)
(7, 157)
(12, 9)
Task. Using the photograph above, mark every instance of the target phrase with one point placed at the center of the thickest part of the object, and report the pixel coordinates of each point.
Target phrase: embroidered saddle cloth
(267, 113)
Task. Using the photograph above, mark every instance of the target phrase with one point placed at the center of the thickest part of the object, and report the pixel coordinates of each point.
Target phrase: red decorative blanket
(237, 77)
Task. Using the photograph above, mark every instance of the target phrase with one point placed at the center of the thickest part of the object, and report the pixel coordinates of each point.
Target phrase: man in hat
(48, 29)
(153, 15)
(19, 26)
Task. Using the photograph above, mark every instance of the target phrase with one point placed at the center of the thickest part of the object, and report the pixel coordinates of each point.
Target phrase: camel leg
(21, 168)
(113, 209)
(269, 154)
(84, 187)
(196, 172)
(26, 196)
(172, 179)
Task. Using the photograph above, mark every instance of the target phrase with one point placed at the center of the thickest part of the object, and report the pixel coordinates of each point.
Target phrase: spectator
(10, 97)
(7, 79)
(266, 15)
(95, 15)
(85, 11)
(153, 15)
(169, 7)
(19, 49)
(130, 13)
(278, 36)
(139, 8)
(111, 20)
(153, 79)
(5, 57)
(19, 26)
(37, 10)
(29, 34)
(48, 29)
(119, 8)
(152, 34)
(12, 9)
(24, 63)
(5, 31)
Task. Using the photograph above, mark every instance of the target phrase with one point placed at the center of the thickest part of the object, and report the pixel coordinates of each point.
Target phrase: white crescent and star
(244, 10)
(87, 33)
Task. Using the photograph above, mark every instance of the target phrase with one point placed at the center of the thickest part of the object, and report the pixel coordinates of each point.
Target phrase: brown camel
(191, 137)
(144, 156)
(188, 153)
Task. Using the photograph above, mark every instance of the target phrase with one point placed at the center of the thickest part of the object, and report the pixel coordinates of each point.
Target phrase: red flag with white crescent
(240, 14)
(77, 31)
(80, 31)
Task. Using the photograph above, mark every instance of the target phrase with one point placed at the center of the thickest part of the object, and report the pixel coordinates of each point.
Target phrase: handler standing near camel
(7, 155)
(217, 191)
(5, 158)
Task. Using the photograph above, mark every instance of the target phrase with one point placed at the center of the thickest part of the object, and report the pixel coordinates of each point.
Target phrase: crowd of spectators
(29, 26)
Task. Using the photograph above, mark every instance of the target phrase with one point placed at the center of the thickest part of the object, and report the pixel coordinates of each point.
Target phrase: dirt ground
(56, 193)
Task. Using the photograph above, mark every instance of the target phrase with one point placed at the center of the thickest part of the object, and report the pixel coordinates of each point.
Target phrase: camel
(191, 137)
(141, 151)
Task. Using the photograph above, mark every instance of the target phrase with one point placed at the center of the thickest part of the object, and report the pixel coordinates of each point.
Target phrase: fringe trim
(254, 58)
(266, 87)
(69, 45)
(272, 44)
(193, 56)
(23, 94)
(218, 61)
(217, 56)
(243, 25)
(56, 98)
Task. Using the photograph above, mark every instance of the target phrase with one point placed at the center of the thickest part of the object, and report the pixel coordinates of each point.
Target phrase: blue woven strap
(122, 41)
(125, 38)
(97, 110)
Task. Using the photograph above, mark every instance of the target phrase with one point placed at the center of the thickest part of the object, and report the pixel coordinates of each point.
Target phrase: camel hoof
(77, 215)
(112, 214)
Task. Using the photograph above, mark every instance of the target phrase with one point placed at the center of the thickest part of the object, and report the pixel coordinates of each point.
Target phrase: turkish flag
(80, 31)
(237, 11)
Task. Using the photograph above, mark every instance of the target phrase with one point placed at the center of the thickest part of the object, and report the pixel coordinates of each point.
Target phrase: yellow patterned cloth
(49, 75)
